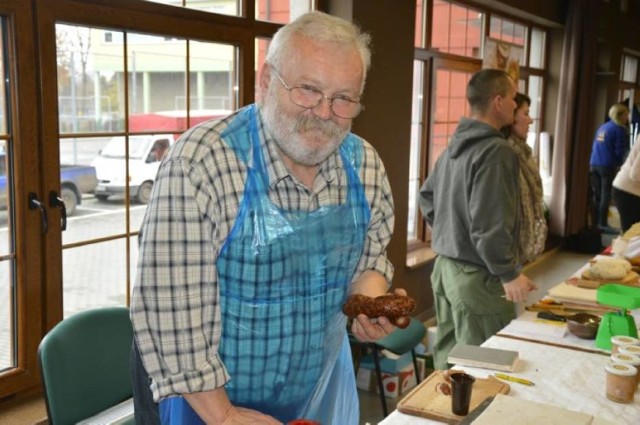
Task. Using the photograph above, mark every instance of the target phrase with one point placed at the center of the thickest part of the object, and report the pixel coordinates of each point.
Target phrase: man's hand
(214, 407)
(369, 330)
(518, 289)
(242, 416)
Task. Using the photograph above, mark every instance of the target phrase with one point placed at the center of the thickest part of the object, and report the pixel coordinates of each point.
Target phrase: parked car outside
(74, 181)
(145, 154)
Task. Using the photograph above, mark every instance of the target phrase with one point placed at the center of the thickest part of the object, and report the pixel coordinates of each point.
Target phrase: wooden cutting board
(630, 279)
(426, 402)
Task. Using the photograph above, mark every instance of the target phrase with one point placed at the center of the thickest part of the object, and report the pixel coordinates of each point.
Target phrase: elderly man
(259, 227)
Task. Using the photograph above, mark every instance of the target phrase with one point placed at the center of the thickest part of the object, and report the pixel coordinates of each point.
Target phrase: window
(450, 105)
(537, 48)
(629, 71)
(21, 273)
(629, 90)
(277, 11)
(456, 29)
(417, 127)
(118, 104)
(535, 93)
(262, 44)
(420, 23)
(281, 11)
(444, 63)
(506, 30)
(231, 8)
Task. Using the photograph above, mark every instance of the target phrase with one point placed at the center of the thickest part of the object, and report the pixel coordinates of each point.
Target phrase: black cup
(461, 386)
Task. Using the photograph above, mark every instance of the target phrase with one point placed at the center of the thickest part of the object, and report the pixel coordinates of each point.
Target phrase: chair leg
(415, 366)
(383, 399)
(356, 356)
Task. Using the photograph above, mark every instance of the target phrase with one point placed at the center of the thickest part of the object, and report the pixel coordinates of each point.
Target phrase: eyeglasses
(309, 97)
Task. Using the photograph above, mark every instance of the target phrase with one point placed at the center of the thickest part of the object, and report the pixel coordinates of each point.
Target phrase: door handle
(56, 202)
(34, 203)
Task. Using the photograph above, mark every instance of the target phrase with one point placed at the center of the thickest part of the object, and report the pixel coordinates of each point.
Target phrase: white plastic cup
(618, 341)
(630, 359)
(630, 349)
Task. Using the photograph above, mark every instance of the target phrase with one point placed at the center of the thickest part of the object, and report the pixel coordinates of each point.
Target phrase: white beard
(289, 132)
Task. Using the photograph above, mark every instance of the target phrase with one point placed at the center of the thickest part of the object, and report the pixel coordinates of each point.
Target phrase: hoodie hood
(469, 131)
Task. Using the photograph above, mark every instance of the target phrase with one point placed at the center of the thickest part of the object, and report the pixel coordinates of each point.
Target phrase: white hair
(320, 27)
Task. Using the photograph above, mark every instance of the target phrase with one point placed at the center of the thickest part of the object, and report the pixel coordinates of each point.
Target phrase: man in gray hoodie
(471, 202)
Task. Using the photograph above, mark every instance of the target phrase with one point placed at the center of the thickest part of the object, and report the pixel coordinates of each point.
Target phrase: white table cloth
(563, 377)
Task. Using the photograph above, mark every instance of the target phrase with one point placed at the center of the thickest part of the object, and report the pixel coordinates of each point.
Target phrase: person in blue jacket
(610, 147)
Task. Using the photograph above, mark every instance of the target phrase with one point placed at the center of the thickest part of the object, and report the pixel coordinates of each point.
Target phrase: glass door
(7, 251)
(23, 213)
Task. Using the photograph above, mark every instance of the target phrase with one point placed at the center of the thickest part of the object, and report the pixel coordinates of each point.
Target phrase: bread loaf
(394, 307)
(608, 268)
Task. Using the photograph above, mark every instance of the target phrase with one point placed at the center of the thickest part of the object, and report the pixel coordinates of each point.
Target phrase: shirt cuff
(213, 375)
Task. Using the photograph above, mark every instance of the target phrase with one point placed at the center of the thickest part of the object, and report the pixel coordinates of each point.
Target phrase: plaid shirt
(197, 194)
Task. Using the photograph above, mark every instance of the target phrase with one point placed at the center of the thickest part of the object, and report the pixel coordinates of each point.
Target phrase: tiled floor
(546, 273)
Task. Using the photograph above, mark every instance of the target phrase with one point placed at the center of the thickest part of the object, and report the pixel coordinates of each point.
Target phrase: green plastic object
(620, 322)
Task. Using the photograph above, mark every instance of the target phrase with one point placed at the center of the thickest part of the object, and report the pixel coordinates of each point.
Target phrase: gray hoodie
(471, 200)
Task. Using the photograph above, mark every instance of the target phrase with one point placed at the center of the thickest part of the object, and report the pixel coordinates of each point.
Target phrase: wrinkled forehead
(303, 50)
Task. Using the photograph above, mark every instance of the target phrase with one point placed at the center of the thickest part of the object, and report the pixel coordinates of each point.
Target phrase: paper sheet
(531, 329)
(565, 292)
(504, 409)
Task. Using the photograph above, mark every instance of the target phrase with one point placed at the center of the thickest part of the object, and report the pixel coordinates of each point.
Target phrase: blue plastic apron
(283, 277)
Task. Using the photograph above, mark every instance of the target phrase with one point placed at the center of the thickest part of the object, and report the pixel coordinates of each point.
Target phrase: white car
(145, 154)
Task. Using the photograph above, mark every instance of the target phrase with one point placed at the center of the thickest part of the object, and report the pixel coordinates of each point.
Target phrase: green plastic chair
(84, 362)
(399, 342)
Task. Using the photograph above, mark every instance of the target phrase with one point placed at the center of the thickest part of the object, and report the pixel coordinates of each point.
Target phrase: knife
(475, 413)
(547, 315)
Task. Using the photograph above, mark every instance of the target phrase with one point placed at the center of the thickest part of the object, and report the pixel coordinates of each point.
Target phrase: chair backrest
(404, 340)
(84, 361)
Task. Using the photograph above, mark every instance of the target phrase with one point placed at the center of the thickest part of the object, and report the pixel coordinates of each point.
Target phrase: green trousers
(469, 304)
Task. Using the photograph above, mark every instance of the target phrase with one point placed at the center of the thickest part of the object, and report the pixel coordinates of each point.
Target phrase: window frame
(27, 273)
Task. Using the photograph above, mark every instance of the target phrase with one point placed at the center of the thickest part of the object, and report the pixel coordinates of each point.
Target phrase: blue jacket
(610, 145)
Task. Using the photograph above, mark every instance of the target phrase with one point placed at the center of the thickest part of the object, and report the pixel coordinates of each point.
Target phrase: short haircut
(320, 27)
(521, 99)
(616, 112)
(484, 85)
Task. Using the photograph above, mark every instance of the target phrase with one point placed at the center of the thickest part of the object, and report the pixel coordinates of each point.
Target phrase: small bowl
(583, 325)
